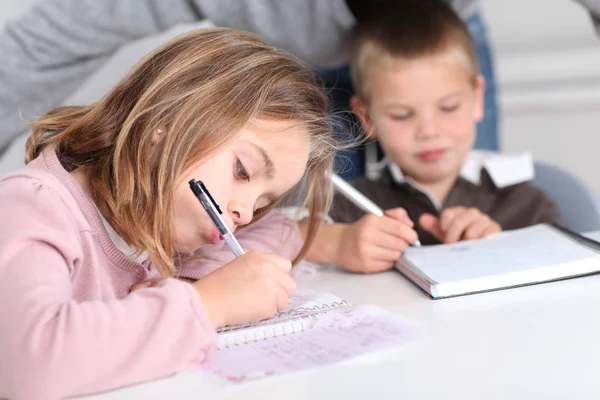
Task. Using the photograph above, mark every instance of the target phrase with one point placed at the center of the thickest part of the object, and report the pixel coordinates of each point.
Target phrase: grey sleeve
(593, 6)
(53, 48)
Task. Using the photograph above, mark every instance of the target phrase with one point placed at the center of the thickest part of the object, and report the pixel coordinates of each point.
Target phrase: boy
(419, 93)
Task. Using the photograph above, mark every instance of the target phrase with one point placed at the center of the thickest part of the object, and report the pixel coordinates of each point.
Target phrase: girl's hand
(250, 288)
(146, 284)
(459, 223)
(373, 244)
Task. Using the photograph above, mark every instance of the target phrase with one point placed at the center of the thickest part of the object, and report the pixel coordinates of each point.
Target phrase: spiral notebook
(304, 308)
(316, 329)
(527, 256)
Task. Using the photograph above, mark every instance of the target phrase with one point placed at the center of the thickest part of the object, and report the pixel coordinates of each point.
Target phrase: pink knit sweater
(68, 324)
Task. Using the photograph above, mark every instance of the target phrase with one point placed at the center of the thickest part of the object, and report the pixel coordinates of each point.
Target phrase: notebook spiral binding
(236, 335)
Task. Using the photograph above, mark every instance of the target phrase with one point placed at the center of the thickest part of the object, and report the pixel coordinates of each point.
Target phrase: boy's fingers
(383, 240)
(477, 229)
(460, 224)
(390, 242)
(386, 255)
(449, 215)
(493, 228)
(375, 266)
(397, 228)
(432, 225)
(380, 266)
(399, 214)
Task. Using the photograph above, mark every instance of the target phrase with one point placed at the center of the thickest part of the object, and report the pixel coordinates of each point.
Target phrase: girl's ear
(157, 136)
(360, 109)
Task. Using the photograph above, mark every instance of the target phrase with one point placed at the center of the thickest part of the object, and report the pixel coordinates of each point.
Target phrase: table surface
(538, 341)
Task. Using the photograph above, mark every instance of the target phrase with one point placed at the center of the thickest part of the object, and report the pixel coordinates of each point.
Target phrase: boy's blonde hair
(397, 31)
(200, 88)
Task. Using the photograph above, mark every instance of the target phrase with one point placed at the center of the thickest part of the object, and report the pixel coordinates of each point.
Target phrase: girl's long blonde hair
(200, 88)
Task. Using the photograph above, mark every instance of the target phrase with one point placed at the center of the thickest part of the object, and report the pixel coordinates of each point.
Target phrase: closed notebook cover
(526, 256)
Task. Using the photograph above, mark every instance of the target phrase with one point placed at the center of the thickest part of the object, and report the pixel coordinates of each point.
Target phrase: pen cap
(198, 188)
(195, 187)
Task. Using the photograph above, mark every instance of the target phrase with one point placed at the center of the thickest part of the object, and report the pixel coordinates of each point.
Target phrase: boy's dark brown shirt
(512, 207)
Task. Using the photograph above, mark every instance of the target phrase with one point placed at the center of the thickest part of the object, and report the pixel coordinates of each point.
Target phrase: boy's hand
(459, 223)
(373, 244)
(249, 288)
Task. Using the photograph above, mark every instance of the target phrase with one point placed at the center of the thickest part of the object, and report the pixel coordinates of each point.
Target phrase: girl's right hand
(250, 288)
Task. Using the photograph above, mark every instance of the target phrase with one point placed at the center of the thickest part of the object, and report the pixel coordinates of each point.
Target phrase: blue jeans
(350, 164)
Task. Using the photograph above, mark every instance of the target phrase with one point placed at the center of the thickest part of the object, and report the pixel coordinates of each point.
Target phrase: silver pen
(359, 199)
(213, 210)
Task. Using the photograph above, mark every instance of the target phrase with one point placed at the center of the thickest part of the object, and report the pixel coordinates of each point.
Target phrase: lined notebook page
(336, 336)
(512, 251)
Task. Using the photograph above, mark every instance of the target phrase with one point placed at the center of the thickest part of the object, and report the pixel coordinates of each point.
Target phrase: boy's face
(424, 113)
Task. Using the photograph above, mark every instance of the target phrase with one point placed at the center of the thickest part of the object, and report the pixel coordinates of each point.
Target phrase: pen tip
(418, 243)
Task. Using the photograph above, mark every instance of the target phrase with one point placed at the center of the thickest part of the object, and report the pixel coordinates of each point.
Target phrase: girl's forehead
(278, 136)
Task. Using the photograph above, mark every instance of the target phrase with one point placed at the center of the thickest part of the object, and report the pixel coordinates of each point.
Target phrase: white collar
(504, 169)
(120, 244)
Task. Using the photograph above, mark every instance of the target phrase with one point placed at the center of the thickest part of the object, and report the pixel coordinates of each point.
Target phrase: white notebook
(304, 308)
(316, 329)
(536, 254)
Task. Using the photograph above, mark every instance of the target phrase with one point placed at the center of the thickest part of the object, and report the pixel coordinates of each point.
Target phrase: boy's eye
(240, 172)
(449, 108)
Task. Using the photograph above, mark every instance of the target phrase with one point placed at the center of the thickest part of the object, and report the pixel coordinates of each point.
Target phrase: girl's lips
(431, 155)
(215, 236)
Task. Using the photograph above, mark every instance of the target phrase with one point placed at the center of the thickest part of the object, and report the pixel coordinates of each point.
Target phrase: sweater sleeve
(54, 47)
(52, 345)
(273, 234)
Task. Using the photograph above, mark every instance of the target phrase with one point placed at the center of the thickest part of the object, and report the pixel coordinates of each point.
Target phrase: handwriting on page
(337, 335)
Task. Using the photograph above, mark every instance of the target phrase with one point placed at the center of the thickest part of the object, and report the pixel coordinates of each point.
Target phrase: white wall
(522, 25)
(548, 65)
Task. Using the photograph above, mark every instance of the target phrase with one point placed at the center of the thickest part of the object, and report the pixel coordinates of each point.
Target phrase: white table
(539, 341)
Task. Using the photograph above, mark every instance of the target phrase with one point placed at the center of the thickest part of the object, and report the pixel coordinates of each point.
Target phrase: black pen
(213, 210)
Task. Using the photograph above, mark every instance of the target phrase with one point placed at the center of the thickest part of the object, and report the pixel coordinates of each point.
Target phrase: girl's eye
(450, 108)
(400, 117)
(240, 172)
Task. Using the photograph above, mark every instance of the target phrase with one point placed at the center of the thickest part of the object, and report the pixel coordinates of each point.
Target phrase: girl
(104, 204)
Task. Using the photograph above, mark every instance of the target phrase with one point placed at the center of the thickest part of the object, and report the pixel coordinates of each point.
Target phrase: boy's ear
(479, 98)
(360, 110)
